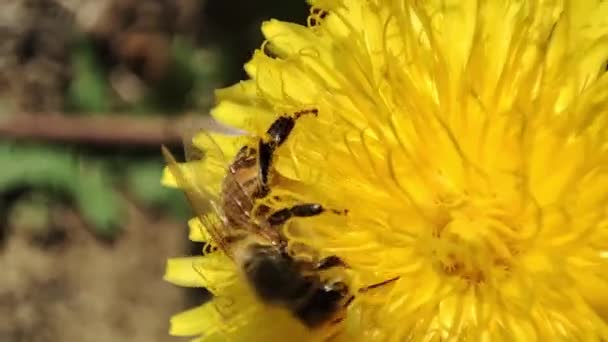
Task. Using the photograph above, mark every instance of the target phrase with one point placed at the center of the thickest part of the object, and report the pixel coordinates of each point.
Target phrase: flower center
(475, 239)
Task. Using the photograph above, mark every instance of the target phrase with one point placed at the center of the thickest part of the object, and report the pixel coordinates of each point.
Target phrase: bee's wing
(201, 129)
(190, 151)
(205, 204)
(213, 154)
(215, 157)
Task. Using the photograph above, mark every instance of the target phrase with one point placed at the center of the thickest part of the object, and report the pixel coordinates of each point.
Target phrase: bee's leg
(275, 137)
(348, 301)
(281, 128)
(299, 210)
(330, 262)
(321, 265)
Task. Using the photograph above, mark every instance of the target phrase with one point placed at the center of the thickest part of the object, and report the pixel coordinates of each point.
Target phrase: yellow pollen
(469, 243)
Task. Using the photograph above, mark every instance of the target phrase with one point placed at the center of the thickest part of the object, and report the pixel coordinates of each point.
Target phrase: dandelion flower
(469, 142)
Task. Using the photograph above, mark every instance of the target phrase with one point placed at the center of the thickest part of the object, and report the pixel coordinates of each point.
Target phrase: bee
(251, 235)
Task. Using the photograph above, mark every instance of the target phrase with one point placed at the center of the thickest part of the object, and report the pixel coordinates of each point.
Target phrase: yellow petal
(282, 81)
(209, 174)
(204, 319)
(554, 165)
(297, 41)
(243, 92)
(219, 148)
(198, 233)
(180, 271)
(218, 152)
(167, 178)
(595, 290)
(248, 117)
(213, 271)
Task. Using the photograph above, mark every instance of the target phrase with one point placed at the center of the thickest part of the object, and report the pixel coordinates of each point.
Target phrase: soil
(75, 287)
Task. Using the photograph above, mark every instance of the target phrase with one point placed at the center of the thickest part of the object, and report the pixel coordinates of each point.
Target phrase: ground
(75, 287)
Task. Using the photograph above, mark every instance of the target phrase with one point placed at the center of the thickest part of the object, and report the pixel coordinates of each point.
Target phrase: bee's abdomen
(277, 279)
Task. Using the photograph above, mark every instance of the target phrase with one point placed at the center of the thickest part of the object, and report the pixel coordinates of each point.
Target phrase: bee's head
(326, 304)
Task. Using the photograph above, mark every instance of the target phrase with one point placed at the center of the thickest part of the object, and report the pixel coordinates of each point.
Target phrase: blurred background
(89, 90)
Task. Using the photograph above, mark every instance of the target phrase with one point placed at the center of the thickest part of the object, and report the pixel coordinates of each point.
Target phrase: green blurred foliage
(89, 90)
(91, 180)
(189, 78)
(58, 171)
(94, 180)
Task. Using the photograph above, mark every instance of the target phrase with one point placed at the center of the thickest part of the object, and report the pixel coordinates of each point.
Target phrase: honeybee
(251, 236)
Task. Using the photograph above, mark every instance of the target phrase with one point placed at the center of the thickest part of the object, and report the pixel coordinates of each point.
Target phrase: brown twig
(102, 129)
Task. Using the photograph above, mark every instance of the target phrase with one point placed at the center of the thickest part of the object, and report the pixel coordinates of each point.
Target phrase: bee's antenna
(377, 285)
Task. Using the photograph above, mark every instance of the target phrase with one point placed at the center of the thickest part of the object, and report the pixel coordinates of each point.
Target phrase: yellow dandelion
(468, 140)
